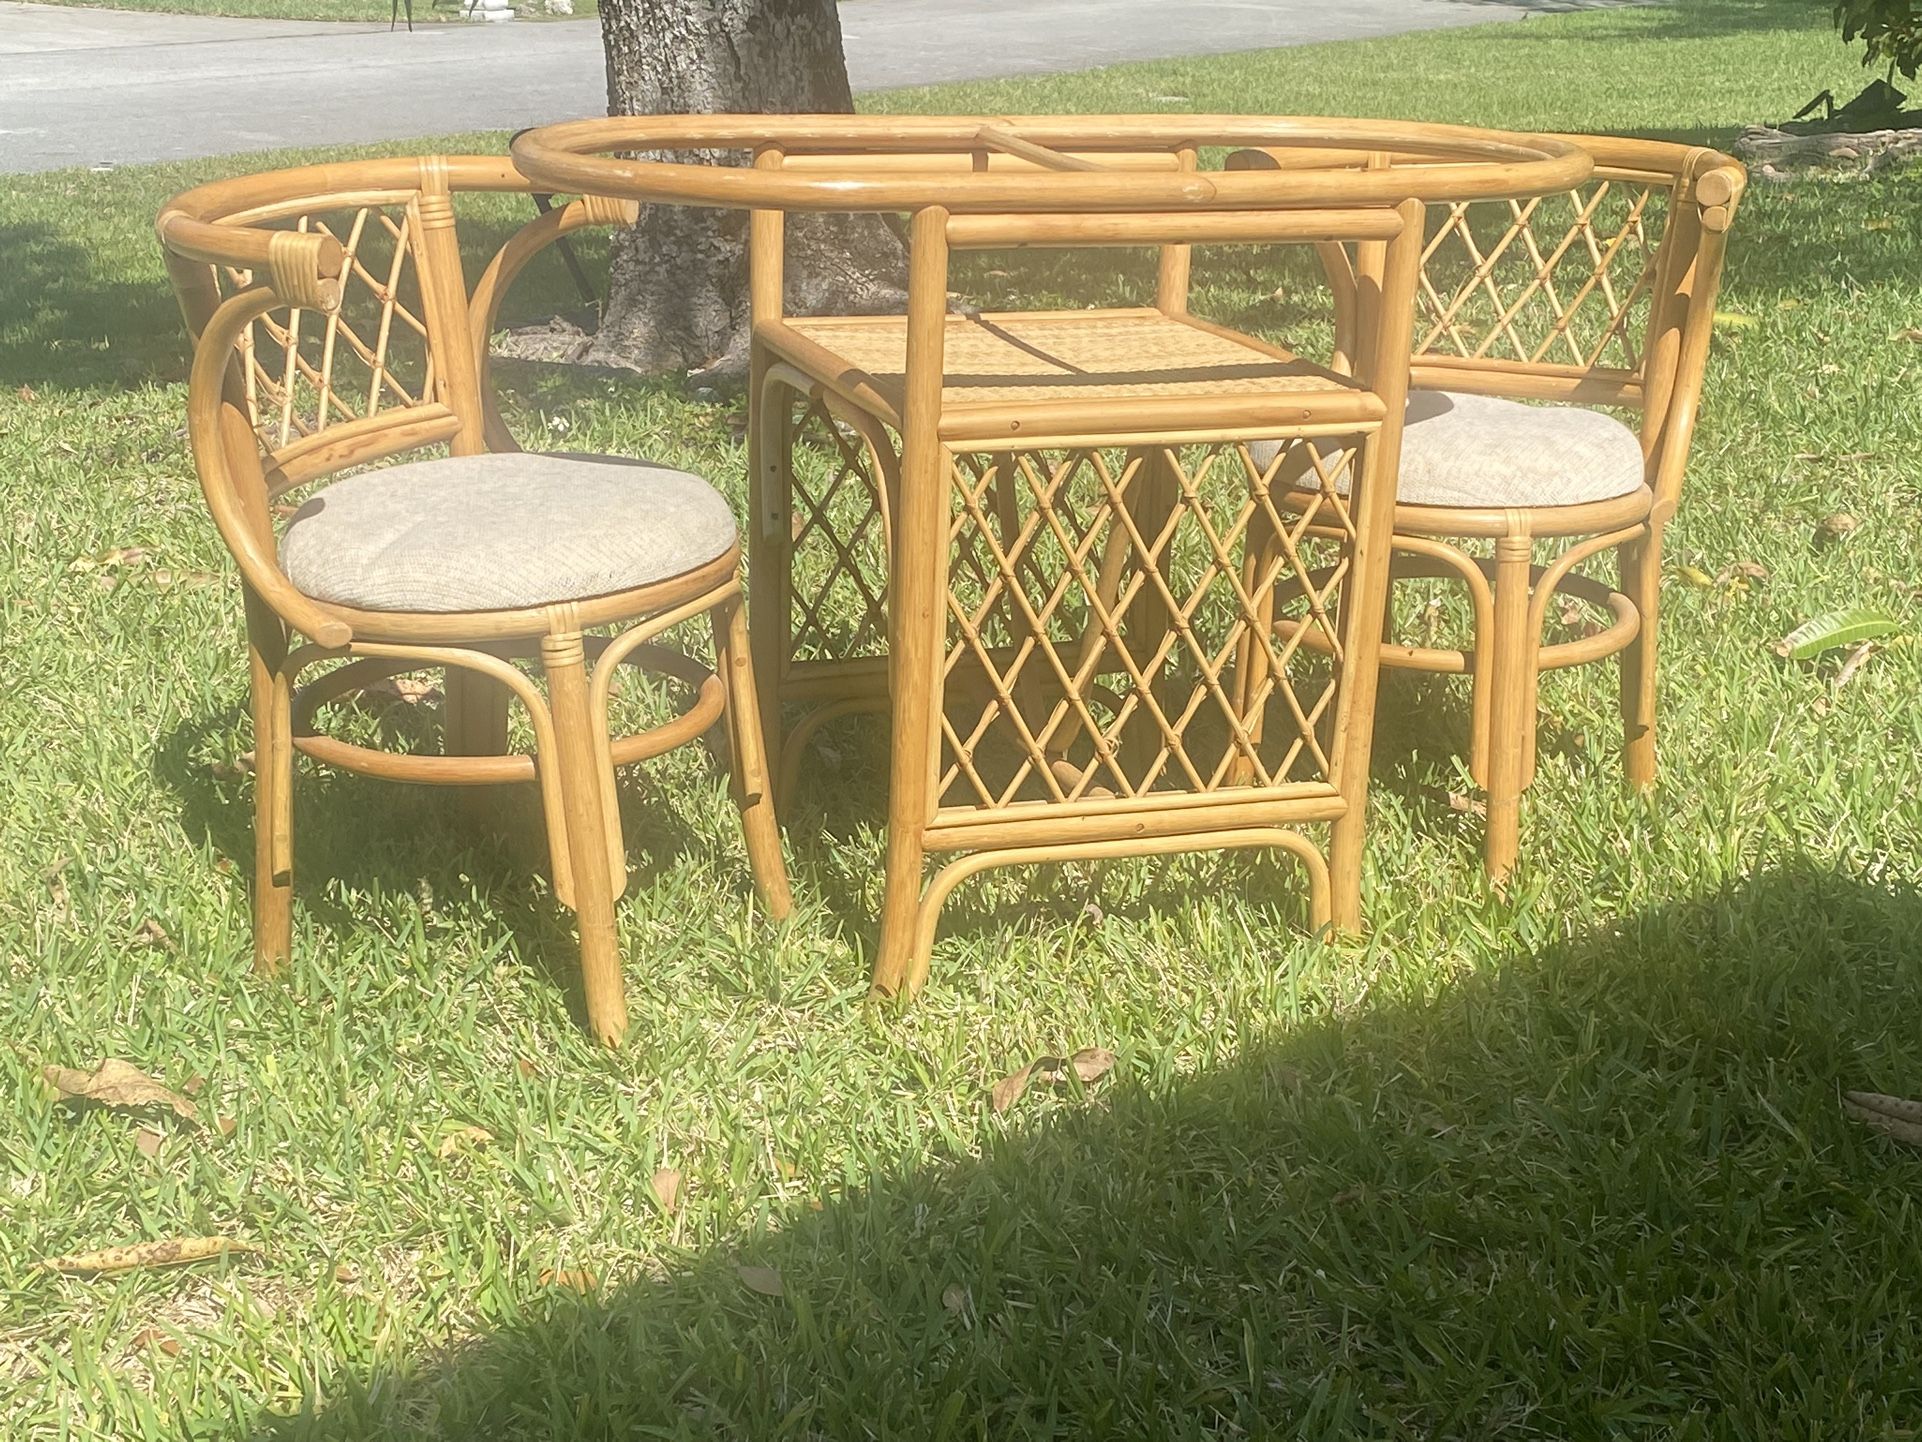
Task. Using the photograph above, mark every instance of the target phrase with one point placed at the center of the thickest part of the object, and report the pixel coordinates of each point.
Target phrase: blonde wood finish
(937, 429)
(1660, 251)
(267, 269)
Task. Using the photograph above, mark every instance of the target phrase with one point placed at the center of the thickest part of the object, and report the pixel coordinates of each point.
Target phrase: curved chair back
(1603, 294)
(333, 328)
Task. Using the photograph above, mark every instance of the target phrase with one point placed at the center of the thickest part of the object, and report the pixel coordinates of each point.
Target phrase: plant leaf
(1092, 1063)
(116, 1083)
(463, 1139)
(666, 1186)
(572, 1279)
(765, 1280)
(173, 1252)
(1894, 1117)
(1832, 629)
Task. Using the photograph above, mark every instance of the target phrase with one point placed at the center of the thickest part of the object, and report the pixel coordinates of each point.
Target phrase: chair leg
(1641, 582)
(583, 791)
(271, 705)
(1513, 658)
(900, 963)
(747, 759)
(475, 725)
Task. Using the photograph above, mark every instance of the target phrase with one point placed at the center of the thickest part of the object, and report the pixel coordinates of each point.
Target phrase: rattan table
(1039, 541)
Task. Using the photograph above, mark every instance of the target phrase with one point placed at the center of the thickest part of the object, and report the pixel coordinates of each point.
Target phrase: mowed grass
(1564, 1164)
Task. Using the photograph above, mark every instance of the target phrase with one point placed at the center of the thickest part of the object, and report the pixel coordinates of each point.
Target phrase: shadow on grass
(430, 842)
(1600, 1189)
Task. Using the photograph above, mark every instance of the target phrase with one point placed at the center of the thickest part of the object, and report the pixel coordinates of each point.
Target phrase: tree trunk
(677, 288)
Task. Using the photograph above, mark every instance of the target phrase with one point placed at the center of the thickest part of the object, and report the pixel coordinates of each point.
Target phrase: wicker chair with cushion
(333, 330)
(1532, 314)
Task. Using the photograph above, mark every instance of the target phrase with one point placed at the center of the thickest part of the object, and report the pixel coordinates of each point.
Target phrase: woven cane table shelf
(1004, 372)
(1042, 543)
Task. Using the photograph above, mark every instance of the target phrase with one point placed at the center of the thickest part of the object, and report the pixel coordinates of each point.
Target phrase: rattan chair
(333, 329)
(1601, 297)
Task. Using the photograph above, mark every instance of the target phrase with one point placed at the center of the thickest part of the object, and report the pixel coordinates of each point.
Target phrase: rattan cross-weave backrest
(1602, 294)
(331, 328)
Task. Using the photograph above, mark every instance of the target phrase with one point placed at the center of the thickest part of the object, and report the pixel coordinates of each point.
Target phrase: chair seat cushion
(501, 532)
(1476, 451)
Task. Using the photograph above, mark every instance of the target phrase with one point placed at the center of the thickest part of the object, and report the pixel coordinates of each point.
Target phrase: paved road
(85, 87)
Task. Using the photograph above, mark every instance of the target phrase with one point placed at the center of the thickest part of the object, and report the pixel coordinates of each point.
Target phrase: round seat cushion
(502, 532)
(1482, 451)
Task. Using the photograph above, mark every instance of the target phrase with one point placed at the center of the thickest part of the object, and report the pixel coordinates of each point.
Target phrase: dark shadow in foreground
(1602, 1189)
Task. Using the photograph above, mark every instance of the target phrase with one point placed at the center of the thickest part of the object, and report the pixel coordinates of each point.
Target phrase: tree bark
(677, 286)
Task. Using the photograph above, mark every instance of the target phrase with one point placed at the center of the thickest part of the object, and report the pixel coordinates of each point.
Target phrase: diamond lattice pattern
(1110, 621)
(1557, 279)
(306, 371)
(839, 557)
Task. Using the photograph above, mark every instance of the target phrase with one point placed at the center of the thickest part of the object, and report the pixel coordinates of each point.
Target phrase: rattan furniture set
(1119, 578)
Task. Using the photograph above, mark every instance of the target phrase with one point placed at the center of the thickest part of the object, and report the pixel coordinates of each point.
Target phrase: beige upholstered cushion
(1467, 450)
(498, 532)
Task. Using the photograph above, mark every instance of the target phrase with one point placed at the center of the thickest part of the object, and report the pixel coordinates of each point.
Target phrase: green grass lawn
(1565, 1164)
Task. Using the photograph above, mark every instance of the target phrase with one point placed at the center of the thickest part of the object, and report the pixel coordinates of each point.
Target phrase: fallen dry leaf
(1831, 529)
(526, 1067)
(165, 578)
(571, 1279)
(226, 1126)
(1857, 658)
(115, 1083)
(158, 1340)
(149, 1142)
(1913, 333)
(346, 1274)
(463, 1139)
(1894, 1117)
(1465, 805)
(666, 1186)
(173, 1252)
(955, 1298)
(765, 1280)
(152, 933)
(1090, 1064)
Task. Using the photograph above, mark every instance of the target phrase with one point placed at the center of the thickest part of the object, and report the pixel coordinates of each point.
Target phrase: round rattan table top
(1040, 162)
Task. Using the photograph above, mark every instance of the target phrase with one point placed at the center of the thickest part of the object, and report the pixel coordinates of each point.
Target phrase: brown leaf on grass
(1580, 620)
(28, 393)
(226, 1126)
(1463, 804)
(194, 1085)
(1831, 529)
(173, 1252)
(666, 1186)
(765, 1280)
(346, 1273)
(152, 933)
(157, 1339)
(149, 1142)
(525, 1067)
(1894, 1117)
(577, 1279)
(117, 558)
(1857, 659)
(1089, 1065)
(115, 1083)
(955, 1299)
(165, 578)
(1913, 333)
(463, 1139)
(399, 691)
